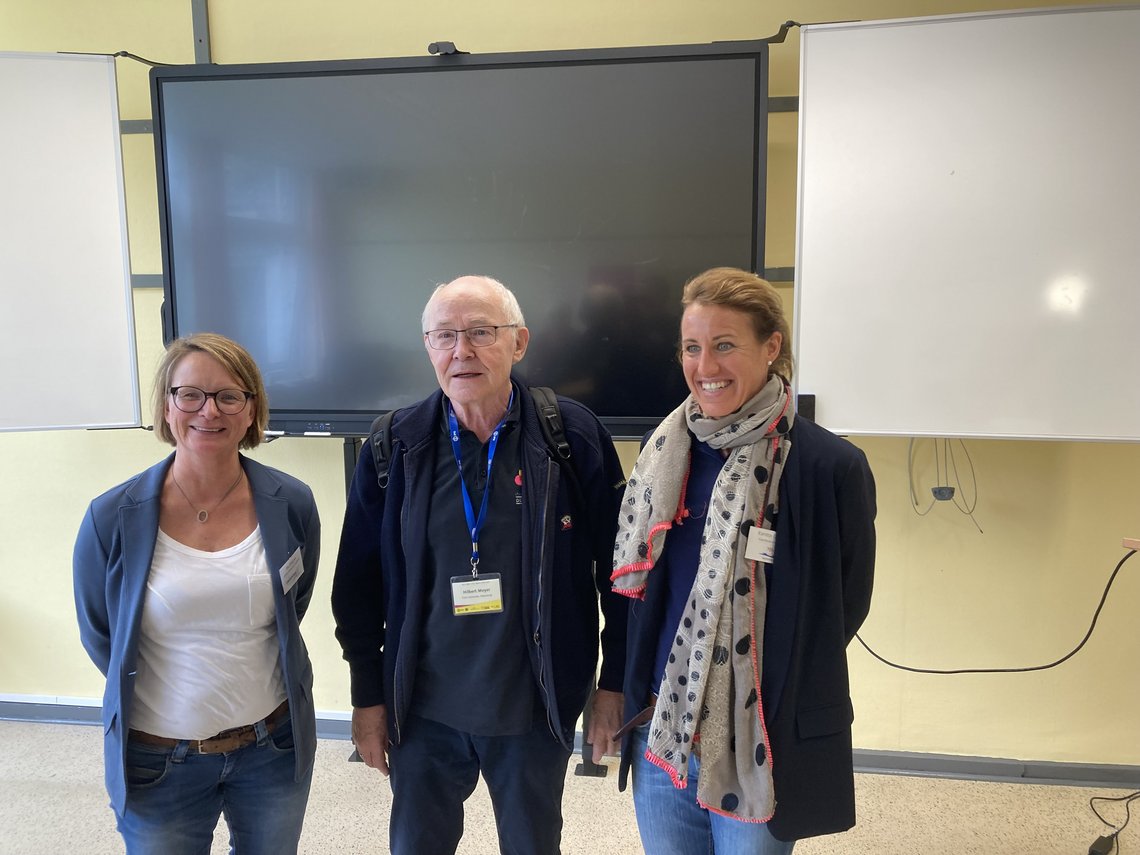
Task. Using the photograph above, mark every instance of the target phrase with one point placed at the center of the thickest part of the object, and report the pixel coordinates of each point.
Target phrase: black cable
(143, 60)
(1064, 658)
(778, 37)
(1128, 800)
(123, 53)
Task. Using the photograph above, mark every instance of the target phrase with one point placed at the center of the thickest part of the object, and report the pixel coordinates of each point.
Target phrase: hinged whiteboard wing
(67, 342)
(968, 252)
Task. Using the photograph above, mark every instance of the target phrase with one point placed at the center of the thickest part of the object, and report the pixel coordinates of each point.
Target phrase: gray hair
(506, 298)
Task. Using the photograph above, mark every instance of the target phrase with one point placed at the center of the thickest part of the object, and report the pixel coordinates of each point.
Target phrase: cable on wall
(948, 487)
(1065, 658)
(120, 53)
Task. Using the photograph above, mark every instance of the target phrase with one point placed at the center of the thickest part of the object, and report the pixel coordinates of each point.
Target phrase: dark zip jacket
(380, 580)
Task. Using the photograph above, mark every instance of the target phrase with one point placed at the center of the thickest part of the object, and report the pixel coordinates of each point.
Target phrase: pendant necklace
(203, 514)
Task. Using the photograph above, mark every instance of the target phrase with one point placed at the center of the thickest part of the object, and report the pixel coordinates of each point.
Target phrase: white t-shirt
(208, 652)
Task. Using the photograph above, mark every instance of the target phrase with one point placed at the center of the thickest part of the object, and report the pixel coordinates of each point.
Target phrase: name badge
(761, 545)
(482, 594)
(291, 570)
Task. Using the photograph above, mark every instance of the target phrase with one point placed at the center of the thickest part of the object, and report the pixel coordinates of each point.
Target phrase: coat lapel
(272, 516)
(138, 522)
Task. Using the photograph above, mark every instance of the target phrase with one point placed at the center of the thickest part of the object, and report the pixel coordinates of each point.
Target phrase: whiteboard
(968, 243)
(66, 328)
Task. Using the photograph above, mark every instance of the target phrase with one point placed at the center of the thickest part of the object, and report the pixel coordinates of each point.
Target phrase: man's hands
(370, 736)
(605, 721)
(370, 729)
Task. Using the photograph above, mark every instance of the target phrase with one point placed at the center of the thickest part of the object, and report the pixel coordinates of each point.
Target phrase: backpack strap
(380, 441)
(554, 432)
(550, 419)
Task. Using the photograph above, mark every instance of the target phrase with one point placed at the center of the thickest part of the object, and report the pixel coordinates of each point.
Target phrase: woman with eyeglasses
(191, 579)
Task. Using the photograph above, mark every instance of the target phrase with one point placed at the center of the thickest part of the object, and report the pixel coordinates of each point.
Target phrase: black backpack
(549, 418)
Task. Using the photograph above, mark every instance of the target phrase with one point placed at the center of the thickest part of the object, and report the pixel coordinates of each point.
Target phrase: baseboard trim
(997, 769)
(337, 725)
(49, 710)
(330, 725)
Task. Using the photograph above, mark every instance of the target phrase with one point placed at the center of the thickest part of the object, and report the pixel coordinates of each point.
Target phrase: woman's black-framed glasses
(190, 399)
(476, 336)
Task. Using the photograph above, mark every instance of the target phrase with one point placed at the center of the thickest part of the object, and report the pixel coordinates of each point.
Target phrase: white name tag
(482, 594)
(291, 570)
(761, 545)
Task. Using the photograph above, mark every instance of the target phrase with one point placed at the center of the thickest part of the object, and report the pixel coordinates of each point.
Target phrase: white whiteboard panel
(66, 327)
(968, 249)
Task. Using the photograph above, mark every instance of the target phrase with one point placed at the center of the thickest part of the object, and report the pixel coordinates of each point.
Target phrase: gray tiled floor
(52, 803)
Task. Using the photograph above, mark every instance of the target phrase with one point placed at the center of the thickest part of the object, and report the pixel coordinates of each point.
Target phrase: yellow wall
(946, 596)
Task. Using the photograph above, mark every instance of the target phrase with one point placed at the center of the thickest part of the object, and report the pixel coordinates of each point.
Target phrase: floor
(52, 803)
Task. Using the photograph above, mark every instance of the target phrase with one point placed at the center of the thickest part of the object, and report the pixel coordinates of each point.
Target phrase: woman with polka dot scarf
(746, 545)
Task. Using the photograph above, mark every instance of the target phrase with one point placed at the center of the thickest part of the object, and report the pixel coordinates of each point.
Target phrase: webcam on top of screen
(443, 49)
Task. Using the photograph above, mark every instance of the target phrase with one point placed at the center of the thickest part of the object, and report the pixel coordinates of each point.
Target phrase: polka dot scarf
(709, 699)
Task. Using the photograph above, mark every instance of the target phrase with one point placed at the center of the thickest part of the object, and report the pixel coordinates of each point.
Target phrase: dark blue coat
(819, 595)
(567, 552)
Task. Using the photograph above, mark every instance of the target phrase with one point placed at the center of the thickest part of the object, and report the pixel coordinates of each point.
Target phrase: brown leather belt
(643, 717)
(227, 740)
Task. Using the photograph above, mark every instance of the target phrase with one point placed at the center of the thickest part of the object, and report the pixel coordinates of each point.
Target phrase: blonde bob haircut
(235, 359)
(755, 297)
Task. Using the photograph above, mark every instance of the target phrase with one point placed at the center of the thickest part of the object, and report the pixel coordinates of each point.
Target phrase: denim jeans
(435, 768)
(174, 798)
(672, 823)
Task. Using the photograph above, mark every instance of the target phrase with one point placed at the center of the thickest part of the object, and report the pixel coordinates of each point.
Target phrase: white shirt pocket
(261, 606)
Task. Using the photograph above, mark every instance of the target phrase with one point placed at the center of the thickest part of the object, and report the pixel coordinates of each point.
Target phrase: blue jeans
(672, 823)
(174, 798)
(435, 768)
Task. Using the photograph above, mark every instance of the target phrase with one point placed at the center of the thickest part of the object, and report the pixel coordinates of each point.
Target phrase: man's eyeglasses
(190, 399)
(476, 336)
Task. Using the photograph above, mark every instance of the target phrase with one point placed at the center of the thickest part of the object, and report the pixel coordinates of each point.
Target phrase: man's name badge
(761, 545)
(472, 595)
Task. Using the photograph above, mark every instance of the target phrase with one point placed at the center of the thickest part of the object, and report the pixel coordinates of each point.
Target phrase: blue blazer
(111, 564)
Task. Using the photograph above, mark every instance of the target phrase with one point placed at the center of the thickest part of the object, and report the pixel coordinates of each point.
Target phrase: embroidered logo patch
(567, 523)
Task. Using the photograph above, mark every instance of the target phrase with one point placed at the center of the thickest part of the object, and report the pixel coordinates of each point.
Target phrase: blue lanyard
(475, 525)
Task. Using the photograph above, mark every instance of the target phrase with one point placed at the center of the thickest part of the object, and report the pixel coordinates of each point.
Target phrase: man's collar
(513, 416)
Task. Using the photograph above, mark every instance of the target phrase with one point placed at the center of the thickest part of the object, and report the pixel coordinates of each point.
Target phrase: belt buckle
(239, 737)
(212, 744)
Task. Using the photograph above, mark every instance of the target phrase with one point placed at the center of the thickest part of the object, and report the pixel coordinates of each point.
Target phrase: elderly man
(466, 589)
